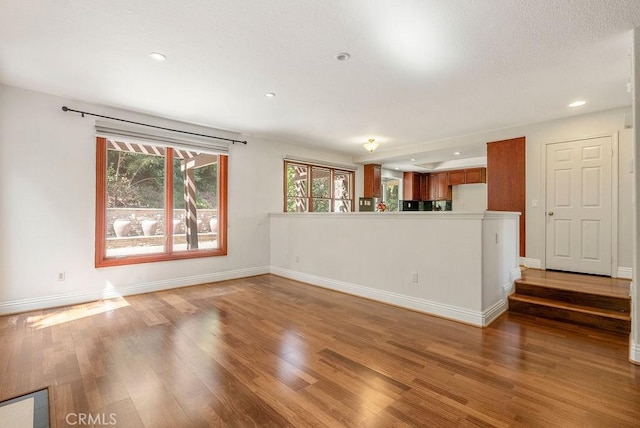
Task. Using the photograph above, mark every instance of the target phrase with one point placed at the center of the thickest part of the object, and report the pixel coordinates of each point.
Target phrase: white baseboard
(508, 288)
(634, 352)
(65, 299)
(531, 263)
(625, 272)
(480, 319)
(494, 312)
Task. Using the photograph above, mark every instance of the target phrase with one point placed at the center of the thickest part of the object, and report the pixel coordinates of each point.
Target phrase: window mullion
(310, 189)
(332, 177)
(168, 204)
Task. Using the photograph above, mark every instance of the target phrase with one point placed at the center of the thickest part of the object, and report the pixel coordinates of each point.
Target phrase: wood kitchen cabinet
(412, 182)
(456, 177)
(475, 175)
(372, 181)
(467, 176)
(506, 184)
(440, 188)
(425, 187)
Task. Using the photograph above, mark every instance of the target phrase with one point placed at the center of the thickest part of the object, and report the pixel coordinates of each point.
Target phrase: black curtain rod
(65, 108)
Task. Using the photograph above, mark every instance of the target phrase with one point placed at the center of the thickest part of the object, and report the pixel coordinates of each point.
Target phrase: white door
(578, 206)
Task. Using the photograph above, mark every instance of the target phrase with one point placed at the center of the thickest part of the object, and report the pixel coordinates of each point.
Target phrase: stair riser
(586, 299)
(621, 327)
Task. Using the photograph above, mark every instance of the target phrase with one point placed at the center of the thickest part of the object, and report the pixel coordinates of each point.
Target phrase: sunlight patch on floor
(72, 313)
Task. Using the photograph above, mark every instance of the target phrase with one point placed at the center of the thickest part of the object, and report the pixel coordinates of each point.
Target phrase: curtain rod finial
(65, 108)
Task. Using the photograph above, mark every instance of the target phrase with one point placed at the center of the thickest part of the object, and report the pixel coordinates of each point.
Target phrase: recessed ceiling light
(270, 94)
(397, 168)
(413, 159)
(157, 56)
(343, 56)
(457, 153)
(577, 103)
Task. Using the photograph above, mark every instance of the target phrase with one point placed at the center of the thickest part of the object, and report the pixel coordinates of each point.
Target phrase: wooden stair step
(602, 318)
(616, 303)
(571, 306)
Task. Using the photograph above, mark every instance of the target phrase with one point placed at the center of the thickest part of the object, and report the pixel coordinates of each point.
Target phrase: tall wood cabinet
(506, 184)
(372, 181)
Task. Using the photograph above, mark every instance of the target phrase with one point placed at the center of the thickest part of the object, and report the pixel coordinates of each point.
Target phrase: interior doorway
(579, 205)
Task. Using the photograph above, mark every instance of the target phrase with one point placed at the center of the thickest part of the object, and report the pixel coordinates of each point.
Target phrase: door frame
(614, 196)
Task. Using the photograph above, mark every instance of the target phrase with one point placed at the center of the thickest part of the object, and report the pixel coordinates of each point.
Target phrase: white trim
(531, 263)
(515, 273)
(314, 162)
(494, 312)
(634, 352)
(625, 272)
(468, 316)
(509, 287)
(64, 299)
(615, 183)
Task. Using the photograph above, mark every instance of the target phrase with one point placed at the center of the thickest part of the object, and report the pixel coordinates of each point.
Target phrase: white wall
(602, 123)
(463, 270)
(469, 197)
(47, 213)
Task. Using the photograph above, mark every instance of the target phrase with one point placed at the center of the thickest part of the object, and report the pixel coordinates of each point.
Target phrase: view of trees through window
(317, 188)
(138, 179)
(390, 191)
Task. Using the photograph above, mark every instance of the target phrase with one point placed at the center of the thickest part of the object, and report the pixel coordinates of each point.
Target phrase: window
(157, 202)
(390, 192)
(317, 188)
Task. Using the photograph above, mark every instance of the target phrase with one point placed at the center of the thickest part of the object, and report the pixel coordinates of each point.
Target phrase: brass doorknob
(550, 213)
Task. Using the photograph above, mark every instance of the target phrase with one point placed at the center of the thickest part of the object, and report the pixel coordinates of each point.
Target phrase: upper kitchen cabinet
(440, 188)
(412, 182)
(475, 175)
(467, 176)
(372, 181)
(456, 177)
(425, 187)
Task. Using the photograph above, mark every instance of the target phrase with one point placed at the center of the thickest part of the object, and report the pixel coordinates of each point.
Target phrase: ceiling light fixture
(157, 56)
(413, 159)
(371, 145)
(457, 153)
(270, 94)
(577, 103)
(343, 56)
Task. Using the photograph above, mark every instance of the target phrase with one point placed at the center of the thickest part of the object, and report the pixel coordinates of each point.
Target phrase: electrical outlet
(61, 276)
(414, 277)
(297, 259)
(497, 237)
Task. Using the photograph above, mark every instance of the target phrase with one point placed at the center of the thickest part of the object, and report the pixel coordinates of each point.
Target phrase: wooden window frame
(101, 260)
(310, 197)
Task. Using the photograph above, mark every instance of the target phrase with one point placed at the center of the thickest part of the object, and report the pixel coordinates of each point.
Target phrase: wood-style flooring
(270, 352)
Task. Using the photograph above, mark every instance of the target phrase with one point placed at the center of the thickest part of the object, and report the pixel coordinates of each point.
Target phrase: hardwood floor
(266, 351)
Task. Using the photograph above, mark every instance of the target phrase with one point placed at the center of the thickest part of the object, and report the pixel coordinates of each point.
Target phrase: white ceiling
(420, 71)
